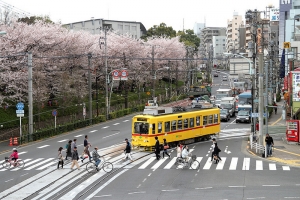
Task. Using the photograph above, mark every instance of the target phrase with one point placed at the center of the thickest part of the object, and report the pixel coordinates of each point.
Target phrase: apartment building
(234, 37)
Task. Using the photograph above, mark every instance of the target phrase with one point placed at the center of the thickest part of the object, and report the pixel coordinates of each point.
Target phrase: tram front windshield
(141, 127)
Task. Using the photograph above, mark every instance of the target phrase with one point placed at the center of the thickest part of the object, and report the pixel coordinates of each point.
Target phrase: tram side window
(204, 120)
(141, 127)
(210, 119)
(167, 126)
(159, 127)
(191, 122)
(174, 123)
(186, 123)
(216, 116)
(153, 128)
(197, 120)
(179, 124)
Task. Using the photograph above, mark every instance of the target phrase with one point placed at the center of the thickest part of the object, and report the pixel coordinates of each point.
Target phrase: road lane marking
(205, 188)
(221, 164)
(149, 174)
(161, 161)
(147, 163)
(93, 131)
(24, 174)
(246, 164)
(170, 190)
(116, 123)
(257, 198)
(276, 121)
(271, 185)
(38, 164)
(63, 140)
(286, 168)
(292, 197)
(207, 164)
(126, 120)
(259, 165)
(111, 135)
(105, 184)
(108, 195)
(78, 136)
(9, 180)
(22, 152)
(105, 127)
(236, 186)
(137, 192)
(171, 163)
(272, 166)
(43, 146)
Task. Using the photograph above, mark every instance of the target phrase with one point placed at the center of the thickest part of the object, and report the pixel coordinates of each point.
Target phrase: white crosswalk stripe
(227, 163)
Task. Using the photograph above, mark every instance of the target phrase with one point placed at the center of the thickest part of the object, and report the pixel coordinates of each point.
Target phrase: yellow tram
(185, 127)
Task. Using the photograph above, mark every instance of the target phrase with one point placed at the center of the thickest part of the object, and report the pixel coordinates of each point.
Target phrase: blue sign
(54, 113)
(20, 106)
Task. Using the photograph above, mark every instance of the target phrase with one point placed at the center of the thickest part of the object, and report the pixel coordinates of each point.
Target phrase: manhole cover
(279, 147)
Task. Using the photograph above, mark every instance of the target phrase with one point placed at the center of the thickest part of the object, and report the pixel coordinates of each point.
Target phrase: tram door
(198, 124)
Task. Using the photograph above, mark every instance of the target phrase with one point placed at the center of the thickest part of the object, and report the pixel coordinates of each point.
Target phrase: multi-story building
(198, 29)
(134, 29)
(219, 47)
(233, 40)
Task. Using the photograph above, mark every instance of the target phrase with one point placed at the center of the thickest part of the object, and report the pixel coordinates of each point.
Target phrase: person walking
(216, 153)
(60, 158)
(157, 148)
(73, 145)
(213, 149)
(166, 146)
(86, 151)
(269, 143)
(69, 149)
(75, 159)
(275, 109)
(178, 151)
(127, 150)
(85, 142)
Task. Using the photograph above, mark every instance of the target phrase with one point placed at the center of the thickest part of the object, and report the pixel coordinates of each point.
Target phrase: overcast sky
(148, 12)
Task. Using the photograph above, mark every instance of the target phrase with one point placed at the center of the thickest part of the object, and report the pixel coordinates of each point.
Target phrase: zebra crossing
(238, 132)
(227, 163)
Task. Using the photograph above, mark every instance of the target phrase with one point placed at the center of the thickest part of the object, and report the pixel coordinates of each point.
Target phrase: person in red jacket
(14, 156)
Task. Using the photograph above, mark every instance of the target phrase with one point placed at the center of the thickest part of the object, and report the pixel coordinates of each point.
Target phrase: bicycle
(8, 163)
(106, 166)
(191, 163)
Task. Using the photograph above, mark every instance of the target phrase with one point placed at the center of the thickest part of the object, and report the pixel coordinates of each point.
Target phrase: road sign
(20, 106)
(124, 75)
(254, 114)
(286, 45)
(19, 111)
(20, 115)
(116, 75)
(54, 113)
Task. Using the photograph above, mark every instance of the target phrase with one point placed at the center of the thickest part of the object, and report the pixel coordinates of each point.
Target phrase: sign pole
(20, 130)
(55, 121)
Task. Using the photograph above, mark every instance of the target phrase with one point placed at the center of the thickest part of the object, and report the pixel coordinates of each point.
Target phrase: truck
(198, 91)
(229, 103)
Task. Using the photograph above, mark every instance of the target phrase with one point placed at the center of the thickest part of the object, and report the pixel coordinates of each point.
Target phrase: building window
(120, 27)
(223, 40)
(235, 18)
(126, 27)
(217, 44)
(235, 28)
(217, 40)
(223, 45)
(235, 23)
(133, 28)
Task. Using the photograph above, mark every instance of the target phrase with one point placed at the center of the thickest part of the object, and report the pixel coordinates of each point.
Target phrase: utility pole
(260, 96)
(170, 81)
(153, 74)
(106, 75)
(90, 88)
(30, 103)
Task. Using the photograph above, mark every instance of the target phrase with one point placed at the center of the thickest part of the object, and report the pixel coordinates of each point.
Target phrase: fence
(256, 146)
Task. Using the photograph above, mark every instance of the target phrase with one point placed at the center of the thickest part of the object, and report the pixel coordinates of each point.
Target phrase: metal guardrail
(256, 146)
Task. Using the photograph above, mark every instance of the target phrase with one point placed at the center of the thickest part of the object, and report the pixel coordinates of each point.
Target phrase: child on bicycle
(14, 156)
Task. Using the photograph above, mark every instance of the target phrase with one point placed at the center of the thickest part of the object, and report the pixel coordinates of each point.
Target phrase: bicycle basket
(194, 157)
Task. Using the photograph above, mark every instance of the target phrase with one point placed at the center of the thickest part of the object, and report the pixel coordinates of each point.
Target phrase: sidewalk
(284, 153)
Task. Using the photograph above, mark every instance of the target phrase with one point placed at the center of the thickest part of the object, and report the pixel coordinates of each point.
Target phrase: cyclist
(185, 153)
(96, 157)
(14, 156)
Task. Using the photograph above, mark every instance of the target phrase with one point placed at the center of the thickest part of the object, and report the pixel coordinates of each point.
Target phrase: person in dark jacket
(127, 150)
(157, 148)
(69, 152)
(166, 146)
(269, 143)
(216, 153)
(75, 158)
(85, 142)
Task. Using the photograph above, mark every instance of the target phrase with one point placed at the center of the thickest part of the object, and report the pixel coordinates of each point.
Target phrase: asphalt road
(238, 176)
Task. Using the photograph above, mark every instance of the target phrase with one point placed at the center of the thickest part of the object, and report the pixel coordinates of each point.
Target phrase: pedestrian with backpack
(68, 147)
(127, 150)
(75, 159)
(60, 158)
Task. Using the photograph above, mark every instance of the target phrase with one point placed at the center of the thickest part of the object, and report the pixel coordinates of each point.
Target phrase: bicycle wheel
(107, 167)
(194, 164)
(178, 161)
(20, 163)
(91, 167)
(6, 164)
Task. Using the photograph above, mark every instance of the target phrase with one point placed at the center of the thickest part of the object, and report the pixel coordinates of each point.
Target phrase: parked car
(224, 115)
(216, 75)
(243, 116)
(225, 78)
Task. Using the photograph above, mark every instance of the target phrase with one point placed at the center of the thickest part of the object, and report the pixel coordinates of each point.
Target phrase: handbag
(166, 147)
